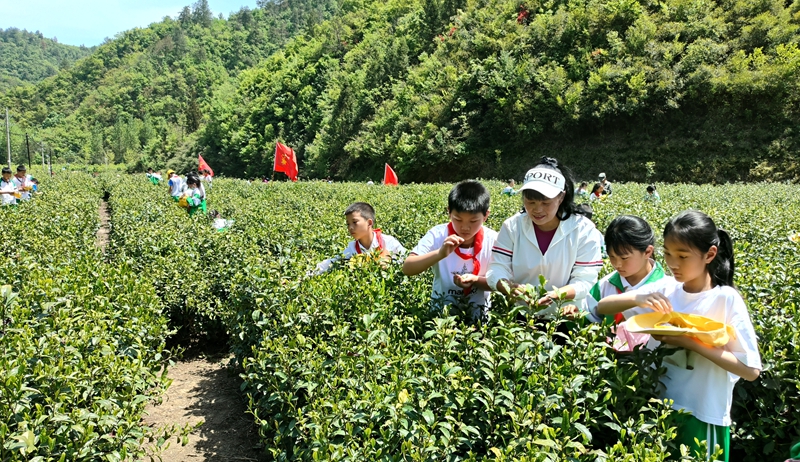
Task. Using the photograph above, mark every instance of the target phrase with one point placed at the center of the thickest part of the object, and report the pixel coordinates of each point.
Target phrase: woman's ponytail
(722, 266)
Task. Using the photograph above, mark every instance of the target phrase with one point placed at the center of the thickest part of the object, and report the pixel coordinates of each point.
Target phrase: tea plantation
(349, 365)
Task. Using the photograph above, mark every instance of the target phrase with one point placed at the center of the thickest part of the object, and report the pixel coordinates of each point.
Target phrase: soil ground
(205, 389)
(105, 229)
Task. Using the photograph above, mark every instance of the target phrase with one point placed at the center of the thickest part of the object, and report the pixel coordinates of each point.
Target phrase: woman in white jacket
(548, 238)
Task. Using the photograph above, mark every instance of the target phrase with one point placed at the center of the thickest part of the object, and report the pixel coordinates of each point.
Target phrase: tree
(201, 13)
(97, 147)
(185, 17)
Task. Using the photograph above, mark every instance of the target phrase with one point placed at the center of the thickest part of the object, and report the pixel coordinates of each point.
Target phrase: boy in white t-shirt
(360, 218)
(23, 183)
(207, 178)
(459, 252)
(176, 185)
(8, 190)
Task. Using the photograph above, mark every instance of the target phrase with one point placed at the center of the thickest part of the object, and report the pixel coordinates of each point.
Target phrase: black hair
(468, 196)
(362, 208)
(21, 168)
(596, 187)
(149, 169)
(698, 230)
(651, 188)
(567, 207)
(585, 210)
(627, 233)
(6, 170)
(192, 179)
(583, 184)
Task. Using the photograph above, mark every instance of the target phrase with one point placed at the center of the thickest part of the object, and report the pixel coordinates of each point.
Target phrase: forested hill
(28, 57)
(140, 97)
(676, 90)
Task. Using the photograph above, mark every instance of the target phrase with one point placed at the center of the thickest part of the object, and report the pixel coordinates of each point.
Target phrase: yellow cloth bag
(182, 202)
(705, 329)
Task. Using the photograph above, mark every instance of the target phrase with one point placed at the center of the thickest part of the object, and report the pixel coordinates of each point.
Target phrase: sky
(89, 22)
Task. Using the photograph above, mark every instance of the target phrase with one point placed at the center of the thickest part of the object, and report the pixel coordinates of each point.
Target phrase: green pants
(194, 208)
(689, 429)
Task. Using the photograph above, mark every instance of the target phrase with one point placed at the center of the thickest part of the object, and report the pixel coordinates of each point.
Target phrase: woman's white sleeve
(502, 255)
(588, 263)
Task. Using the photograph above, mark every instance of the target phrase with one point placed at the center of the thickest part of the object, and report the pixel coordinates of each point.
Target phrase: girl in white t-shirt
(699, 377)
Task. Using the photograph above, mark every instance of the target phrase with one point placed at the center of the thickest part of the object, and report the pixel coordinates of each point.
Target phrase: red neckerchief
(378, 236)
(476, 249)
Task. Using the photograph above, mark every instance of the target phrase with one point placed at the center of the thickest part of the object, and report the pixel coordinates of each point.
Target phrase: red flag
(204, 165)
(285, 160)
(389, 177)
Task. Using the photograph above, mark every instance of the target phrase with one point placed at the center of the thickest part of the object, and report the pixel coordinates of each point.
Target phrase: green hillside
(29, 57)
(675, 90)
(139, 97)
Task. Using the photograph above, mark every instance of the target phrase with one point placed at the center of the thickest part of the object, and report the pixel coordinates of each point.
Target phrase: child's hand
(385, 258)
(464, 281)
(449, 245)
(655, 301)
(570, 311)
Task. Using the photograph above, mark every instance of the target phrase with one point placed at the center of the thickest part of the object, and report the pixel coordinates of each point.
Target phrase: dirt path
(105, 228)
(206, 390)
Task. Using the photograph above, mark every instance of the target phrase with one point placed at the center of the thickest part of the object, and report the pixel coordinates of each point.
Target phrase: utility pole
(28, 145)
(41, 144)
(8, 139)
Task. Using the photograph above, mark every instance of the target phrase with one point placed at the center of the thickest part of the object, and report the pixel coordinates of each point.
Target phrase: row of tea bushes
(81, 338)
(352, 363)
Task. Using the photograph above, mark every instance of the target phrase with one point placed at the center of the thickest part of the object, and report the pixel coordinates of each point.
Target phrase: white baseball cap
(550, 183)
(602, 175)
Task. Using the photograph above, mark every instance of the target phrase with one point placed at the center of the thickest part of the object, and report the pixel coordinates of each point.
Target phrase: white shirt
(605, 288)
(706, 390)
(221, 223)
(573, 258)
(191, 193)
(21, 183)
(390, 244)
(444, 270)
(8, 199)
(208, 179)
(176, 185)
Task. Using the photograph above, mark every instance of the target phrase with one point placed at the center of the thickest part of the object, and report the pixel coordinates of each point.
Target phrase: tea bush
(81, 339)
(353, 365)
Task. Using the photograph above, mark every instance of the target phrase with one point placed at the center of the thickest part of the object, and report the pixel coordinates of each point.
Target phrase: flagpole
(274, 156)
